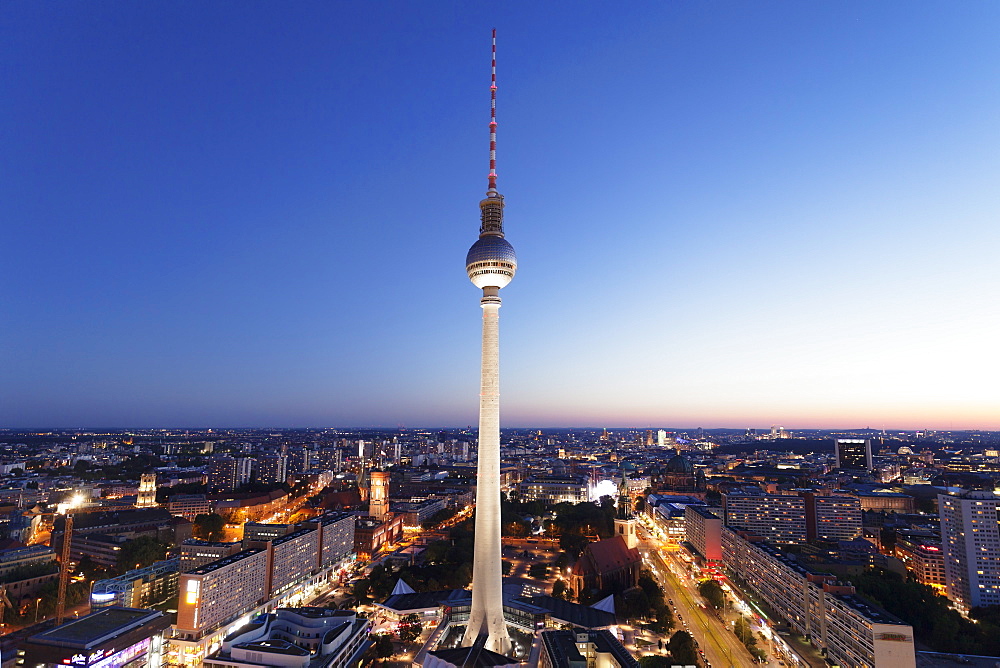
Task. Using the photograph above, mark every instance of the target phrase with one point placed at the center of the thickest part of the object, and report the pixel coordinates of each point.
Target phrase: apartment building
(554, 489)
(923, 556)
(196, 553)
(703, 530)
(138, 588)
(222, 590)
(847, 629)
(189, 506)
(832, 517)
(777, 517)
(970, 536)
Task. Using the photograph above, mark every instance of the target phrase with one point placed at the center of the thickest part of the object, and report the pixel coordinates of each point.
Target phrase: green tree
(410, 628)
(655, 661)
(711, 591)
(360, 590)
(210, 527)
(573, 544)
(664, 619)
(538, 571)
(381, 648)
(559, 589)
(682, 649)
(744, 632)
(140, 552)
(633, 604)
(652, 588)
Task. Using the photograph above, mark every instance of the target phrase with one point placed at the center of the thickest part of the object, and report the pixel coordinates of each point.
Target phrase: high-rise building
(299, 460)
(703, 529)
(854, 454)
(222, 474)
(832, 517)
(272, 469)
(777, 517)
(849, 630)
(970, 536)
(490, 264)
(227, 473)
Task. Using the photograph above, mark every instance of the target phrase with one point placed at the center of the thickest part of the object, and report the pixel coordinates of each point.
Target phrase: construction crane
(72, 507)
(4, 604)
(67, 543)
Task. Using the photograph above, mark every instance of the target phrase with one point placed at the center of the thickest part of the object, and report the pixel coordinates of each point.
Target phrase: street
(721, 648)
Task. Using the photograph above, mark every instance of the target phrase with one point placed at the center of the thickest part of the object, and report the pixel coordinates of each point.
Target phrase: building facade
(703, 530)
(776, 517)
(970, 536)
(554, 489)
(848, 630)
(854, 454)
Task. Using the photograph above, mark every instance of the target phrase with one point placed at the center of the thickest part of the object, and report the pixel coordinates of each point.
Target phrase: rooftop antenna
(493, 120)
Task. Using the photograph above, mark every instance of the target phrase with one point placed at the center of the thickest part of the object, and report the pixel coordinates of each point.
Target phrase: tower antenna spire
(493, 118)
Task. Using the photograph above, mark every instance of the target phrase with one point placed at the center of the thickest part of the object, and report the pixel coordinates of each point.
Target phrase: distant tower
(378, 501)
(491, 264)
(147, 491)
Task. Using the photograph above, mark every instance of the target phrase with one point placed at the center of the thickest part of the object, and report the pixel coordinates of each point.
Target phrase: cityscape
(228, 236)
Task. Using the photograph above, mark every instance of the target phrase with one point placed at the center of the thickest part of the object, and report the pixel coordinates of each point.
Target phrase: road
(721, 648)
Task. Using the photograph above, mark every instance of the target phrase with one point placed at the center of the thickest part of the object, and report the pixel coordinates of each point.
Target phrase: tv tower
(491, 264)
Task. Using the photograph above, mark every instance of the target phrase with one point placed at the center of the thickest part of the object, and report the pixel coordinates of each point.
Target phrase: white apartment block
(776, 517)
(293, 557)
(221, 590)
(834, 517)
(848, 630)
(703, 529)
(970, 537)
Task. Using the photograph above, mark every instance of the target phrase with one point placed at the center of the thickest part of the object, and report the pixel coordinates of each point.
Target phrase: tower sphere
(491, 262)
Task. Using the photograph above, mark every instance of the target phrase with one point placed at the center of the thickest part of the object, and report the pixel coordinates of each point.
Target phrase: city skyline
(786, 214)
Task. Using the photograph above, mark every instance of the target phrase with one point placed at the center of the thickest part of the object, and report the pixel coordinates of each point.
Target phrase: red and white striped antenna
(493, 118)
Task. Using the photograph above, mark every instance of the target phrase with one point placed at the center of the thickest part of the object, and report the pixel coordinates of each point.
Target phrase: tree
(381, 647)
(655, 661)
(140, 552)
(538, 571)
(360, 590)
(664, 618)
(744, 632)
(211, 527)
(711, 591)
(410, 628)
(505, 568)
(573, 543)
(559, 589)
(682, 649)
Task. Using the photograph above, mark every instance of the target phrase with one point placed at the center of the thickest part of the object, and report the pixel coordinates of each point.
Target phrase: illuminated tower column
(147, 491)
(378, 503)
(491, 264)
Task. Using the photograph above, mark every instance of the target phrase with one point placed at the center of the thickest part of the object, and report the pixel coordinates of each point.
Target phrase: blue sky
(725, 213)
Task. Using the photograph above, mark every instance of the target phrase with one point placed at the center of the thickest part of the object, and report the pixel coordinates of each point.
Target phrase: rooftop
(572, 613)
(96, 627)
(225, 561)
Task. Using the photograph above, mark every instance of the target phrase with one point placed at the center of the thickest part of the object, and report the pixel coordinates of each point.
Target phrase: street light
(37, 603)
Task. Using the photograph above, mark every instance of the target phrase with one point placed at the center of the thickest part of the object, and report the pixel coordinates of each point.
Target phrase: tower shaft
(487, 577)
